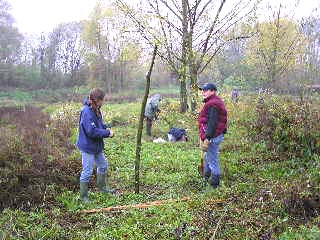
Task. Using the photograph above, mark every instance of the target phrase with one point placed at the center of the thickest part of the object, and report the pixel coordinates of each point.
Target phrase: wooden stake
(140, 127)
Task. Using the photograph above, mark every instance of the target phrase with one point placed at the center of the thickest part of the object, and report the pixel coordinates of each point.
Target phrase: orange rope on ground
(134, 206)
(142, 205)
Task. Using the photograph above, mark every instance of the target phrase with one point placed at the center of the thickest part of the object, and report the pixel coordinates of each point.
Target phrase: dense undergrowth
(270, 186)
(34, 153)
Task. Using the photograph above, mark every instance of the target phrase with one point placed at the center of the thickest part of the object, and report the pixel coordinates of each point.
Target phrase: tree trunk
(108, 76)
(183, 72)
(183, 94)
(42, 67)
(122, 69)
(193, 69)
(193, 87)
(140, 127)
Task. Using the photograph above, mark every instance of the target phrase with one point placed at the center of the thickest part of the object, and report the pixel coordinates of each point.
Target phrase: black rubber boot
(215, 181)
(206, 176)
(84, 192)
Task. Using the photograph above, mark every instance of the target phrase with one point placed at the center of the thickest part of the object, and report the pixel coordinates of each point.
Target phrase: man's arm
(212, 122)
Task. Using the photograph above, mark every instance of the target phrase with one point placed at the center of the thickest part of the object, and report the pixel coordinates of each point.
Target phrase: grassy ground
(259, 197)
(17, 97)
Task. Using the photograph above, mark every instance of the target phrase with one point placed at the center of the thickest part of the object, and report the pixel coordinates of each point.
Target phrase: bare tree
(107, 42)
(66, 51)
(276, 48)
(6, 19)
(190, 33)
(10, 38)
(139, 134)
(311, 60)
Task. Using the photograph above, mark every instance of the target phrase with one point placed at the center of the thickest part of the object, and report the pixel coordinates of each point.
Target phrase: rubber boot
(84, 192)
(206, 176)
(215, 181)
(102, 184)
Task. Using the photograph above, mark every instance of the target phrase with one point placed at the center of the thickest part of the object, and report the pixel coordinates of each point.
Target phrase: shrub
(33, 156)
(291, 128)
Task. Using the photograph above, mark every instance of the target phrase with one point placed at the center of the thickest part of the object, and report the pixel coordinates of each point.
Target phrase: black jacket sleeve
(212, 122)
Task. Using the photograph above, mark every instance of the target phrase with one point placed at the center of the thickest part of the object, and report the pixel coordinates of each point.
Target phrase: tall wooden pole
(139, 134)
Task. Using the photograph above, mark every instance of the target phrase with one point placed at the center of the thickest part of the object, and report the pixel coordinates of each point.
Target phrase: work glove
(204, 145)
(111, 133)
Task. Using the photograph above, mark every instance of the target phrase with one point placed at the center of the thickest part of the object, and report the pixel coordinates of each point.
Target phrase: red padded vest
(216, 102)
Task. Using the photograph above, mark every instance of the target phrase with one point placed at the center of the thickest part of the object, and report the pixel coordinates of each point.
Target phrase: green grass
(55, 97)
(254, 188)
(302, 233)
(16, 97)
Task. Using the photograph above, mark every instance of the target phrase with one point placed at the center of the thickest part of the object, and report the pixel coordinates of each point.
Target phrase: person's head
(96, 98)
(157, 96)
(208, 90)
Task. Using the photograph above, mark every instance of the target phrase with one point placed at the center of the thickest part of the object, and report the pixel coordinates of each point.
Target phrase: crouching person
(92, 130)
(212, 127)
(152, 111)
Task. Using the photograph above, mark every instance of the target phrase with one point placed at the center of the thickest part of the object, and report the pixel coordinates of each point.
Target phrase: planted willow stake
(136, 206)
(218, 224)
(140, 128)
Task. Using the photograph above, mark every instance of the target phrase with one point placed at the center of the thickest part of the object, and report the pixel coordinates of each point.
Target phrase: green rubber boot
(84, 192)
(102, 184)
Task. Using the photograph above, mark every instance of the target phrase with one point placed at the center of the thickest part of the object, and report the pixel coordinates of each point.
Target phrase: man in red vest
(212, 127)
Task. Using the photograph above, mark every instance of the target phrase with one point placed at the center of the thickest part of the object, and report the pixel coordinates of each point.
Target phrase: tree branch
(202, 10)
(211, 29)
(174, 12)
(157, 11)
(219, 48)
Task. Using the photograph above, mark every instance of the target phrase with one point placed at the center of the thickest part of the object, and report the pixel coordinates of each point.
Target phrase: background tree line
(96, 52)
(220, 41)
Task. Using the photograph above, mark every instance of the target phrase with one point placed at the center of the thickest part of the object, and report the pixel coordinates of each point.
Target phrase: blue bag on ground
(177, 134)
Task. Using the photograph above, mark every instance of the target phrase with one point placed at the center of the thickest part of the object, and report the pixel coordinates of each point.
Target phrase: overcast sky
(36, 16)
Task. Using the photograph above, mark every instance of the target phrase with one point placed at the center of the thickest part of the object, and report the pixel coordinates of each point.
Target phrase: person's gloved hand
(204, 145)
(111, 133)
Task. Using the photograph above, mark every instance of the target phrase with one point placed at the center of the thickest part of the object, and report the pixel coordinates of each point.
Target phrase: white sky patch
(36, 16)
(304, 8)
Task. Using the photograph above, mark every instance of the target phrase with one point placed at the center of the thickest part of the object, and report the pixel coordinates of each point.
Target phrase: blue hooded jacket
(92, 130)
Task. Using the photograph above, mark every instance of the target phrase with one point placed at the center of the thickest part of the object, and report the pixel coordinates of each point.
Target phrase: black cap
(208, 86)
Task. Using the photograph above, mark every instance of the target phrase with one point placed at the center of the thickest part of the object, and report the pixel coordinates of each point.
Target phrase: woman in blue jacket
(92, 130)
